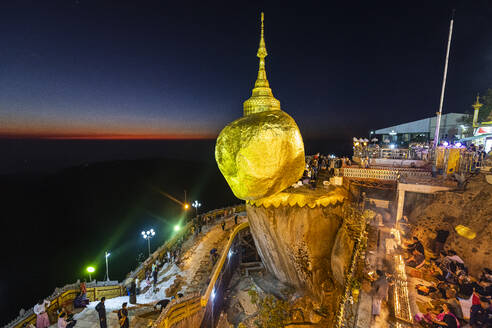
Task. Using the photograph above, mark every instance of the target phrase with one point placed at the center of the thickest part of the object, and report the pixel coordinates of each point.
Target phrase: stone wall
(445, 210)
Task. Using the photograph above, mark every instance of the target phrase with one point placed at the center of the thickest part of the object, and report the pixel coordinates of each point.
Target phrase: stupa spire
(262, 98)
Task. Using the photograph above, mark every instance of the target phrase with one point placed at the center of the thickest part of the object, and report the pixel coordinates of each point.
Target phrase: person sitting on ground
(425, 290)
(454, 304)
(427, 318)
(453, 256)
(465, 286)
(415, 245)
(62, 321)
(417, 260)
(446, 318)
(484, 288)
(440, 240)
(481, 314)
(436, 272)
(486, 275)
(68, 314)
(161, 304)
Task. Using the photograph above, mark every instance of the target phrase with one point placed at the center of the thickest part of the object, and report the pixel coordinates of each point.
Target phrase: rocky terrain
(471, 208)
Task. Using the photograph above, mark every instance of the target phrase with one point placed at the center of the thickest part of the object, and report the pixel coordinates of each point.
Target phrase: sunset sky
(112, 69)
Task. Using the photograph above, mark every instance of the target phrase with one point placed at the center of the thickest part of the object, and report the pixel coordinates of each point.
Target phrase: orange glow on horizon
(106, 136)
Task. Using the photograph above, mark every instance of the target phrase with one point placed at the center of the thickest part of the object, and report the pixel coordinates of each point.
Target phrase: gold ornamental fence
(67, 297)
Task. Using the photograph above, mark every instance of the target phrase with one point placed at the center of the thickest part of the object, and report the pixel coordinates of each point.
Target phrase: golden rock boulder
(262, 153)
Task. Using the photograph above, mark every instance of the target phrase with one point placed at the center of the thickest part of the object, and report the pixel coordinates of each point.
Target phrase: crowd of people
(322, 163)
(460, 298)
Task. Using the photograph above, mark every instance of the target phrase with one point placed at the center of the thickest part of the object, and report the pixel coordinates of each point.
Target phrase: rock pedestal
(296, 242)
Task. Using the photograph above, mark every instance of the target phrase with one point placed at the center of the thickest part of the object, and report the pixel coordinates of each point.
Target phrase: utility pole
(439, 113)
(107, 270)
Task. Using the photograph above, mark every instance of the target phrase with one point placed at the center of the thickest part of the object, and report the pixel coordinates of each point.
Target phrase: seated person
(427, 318)
(425, 290)
(465, 286)
(454, 304)
(62, 321)
(415, 245)
(161, 304)
(453, 256)
(80, 301)
(484, 288)
(446, 318)
(486, 275)
(436, 272)
(417, 259)
(481, 314)
(68, 314)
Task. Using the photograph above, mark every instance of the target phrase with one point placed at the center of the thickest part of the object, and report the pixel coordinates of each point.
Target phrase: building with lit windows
(452, 128)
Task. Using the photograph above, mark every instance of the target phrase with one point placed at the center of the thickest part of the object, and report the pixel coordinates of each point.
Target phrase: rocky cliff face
(296, 244)
(471, 208)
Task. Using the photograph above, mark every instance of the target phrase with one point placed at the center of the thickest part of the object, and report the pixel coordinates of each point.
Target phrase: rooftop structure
(452, 127)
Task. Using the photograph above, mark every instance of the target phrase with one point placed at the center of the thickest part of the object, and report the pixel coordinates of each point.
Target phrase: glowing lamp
(91, 269)
(177, 227)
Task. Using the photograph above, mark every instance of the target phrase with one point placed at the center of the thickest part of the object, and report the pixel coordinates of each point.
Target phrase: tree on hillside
(484, 115)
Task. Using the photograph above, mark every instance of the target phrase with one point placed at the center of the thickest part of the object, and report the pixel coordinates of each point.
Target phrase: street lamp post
(196, 204)
(90, 270)
(148, 235)
(107, 270)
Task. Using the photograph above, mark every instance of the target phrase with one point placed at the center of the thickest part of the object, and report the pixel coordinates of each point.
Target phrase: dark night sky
(183, 69)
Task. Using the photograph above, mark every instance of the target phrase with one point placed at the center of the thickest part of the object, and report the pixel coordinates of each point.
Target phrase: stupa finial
(262, 52)
(262, 98)
(477, 103)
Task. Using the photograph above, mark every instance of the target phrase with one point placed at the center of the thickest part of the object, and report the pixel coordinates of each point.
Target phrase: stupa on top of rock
(261, 153)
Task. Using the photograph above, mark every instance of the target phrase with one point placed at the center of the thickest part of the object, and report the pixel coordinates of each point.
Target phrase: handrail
(219, 266)
(178, 310)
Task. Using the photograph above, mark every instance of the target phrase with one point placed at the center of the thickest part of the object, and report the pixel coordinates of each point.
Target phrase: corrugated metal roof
(426, 125)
